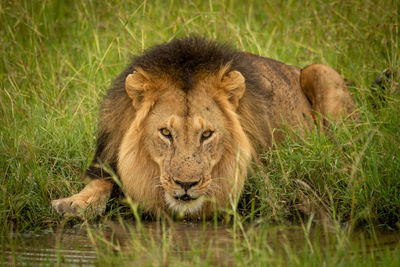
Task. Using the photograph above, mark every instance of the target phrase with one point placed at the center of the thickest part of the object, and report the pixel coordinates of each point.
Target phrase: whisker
(220, 178)
(158, 184)
(214, 188)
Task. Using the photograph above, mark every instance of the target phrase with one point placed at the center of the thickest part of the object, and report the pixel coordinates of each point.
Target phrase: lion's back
(273, 98)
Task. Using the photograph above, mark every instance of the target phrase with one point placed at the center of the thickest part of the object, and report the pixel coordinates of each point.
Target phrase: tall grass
(58, 59)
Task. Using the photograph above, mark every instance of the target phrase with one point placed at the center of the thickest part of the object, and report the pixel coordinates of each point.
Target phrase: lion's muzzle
(185, 197)
(186, 185)
(185, 191)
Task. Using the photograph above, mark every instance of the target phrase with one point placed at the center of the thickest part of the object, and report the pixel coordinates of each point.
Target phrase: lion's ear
(234, 85)
(135, 86)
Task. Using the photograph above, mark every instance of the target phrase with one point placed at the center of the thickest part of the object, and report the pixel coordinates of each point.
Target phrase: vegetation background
(59, 57)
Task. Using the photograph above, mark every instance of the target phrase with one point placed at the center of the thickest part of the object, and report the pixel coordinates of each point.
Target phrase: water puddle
(83, 246)
(72, 247)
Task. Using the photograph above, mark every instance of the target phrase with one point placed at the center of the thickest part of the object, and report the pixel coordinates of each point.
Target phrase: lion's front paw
(91, 201)
(69, 205)
(77, 205)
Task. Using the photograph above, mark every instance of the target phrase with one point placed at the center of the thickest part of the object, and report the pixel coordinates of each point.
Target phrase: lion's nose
(186, 185)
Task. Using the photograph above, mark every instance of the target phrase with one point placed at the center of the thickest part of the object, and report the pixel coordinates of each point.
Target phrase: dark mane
(183, 58)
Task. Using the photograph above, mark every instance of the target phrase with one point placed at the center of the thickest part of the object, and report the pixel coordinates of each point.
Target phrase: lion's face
(192, 136)
(185, 137)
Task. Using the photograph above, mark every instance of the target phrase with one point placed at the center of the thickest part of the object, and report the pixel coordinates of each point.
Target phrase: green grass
(58, 59)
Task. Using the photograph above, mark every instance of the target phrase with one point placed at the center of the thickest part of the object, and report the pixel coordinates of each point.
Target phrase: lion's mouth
(184, 203)
(185, 197)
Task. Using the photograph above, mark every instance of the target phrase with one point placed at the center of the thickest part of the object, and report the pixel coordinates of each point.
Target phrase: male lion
(182, 123)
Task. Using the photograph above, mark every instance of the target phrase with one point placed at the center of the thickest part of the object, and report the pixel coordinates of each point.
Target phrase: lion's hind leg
(328, 94)
(91, 200)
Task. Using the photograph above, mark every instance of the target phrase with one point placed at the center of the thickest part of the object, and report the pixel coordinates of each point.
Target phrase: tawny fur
(153, 120)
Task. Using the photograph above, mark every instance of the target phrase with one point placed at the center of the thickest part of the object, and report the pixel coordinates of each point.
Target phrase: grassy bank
(58, 59)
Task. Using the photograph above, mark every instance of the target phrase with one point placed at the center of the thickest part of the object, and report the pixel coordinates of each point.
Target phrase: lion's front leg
(91, 200)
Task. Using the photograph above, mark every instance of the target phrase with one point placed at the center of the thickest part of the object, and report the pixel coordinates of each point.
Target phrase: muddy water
(78, 246)
(70, 247)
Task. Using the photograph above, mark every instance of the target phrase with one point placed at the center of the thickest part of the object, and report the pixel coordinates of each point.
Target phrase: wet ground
(78, 246)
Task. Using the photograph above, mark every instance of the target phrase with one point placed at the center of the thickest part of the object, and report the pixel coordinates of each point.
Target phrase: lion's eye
(206, 134)
(165, 132)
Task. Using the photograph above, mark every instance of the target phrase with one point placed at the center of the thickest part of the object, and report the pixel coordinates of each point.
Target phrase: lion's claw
(69, 206)
(75, 206)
